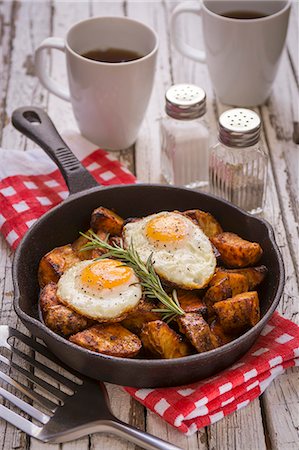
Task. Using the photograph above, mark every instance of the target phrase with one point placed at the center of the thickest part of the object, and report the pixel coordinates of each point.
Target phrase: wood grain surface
(272, 421)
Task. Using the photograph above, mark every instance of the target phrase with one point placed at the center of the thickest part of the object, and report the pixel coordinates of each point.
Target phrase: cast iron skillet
(62, 224)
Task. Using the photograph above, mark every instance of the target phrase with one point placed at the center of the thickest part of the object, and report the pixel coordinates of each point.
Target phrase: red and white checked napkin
(30, 185)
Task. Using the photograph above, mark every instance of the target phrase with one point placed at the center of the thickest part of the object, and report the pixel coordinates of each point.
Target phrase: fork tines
(6, 335)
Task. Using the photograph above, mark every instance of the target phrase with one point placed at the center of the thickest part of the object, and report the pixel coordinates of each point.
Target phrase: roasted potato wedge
(60, 318)
(198, 332)
(48, 298)
(217, 330)
(139, 317)
(109, 339)
(55, 263)
(206, 221)
(135, 321)
(254, 275)
(102, 219)
(191, 302)
(235, 251)
(79, 243)
(225, 285)
(161, 341)
(238, 313)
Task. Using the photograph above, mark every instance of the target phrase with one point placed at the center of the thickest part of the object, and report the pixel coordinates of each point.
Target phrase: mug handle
(40, 66)
(181, 46)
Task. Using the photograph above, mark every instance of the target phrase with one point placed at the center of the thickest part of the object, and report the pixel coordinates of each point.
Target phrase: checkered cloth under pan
(30, 185)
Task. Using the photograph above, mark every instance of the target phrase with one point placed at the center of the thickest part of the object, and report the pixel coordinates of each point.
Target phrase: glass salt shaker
(238, 162)
(185, 137)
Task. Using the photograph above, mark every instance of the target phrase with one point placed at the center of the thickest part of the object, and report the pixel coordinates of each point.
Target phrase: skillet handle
(35, 123)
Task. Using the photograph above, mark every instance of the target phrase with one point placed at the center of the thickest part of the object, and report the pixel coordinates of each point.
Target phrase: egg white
(188, 263)
(100, 305)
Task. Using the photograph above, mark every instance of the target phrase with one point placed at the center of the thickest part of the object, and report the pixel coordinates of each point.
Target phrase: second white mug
(109, 99)
(243, 45)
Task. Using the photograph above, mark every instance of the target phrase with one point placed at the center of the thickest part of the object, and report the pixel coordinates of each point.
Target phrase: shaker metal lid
(239, 127)
(185, 101)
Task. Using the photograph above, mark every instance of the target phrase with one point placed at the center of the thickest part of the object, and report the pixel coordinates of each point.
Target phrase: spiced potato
(59, 318)
(235, 251)
(206, 222)
(198, 332)
(190, 301)
(238, 313)
(163, 342)
(140, 316)
(109, 339)
(224, 285)
(221, 335)
(103, 219)
(55, 263)
(254, 275)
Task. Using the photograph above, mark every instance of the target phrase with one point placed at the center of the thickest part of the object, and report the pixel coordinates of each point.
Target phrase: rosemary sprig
(149, 280)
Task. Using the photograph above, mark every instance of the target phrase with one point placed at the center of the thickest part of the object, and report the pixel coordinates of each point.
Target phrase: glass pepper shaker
(185, 137)
(238, 162)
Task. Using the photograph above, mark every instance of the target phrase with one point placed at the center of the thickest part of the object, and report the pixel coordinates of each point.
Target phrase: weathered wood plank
(10, 437)
(65, 14)
(7, 12)
(230, 434)
(156, 426)
(280, 403)
(19, 87)
(278, 118)
(147, 148)
(23, 87)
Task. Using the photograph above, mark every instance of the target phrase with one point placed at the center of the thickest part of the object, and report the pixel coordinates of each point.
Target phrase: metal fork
(84, 410)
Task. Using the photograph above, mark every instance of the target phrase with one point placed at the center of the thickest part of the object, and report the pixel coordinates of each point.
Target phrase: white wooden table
(270, 422)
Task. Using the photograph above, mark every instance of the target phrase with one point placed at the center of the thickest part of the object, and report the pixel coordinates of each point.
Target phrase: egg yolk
(105, 273)
(166, 228)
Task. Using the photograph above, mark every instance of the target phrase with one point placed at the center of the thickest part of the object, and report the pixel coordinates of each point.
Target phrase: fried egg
(181, 253)
(101, 290)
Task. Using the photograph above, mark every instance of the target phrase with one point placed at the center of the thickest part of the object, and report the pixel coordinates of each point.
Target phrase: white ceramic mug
(242, 55)
(109, 99)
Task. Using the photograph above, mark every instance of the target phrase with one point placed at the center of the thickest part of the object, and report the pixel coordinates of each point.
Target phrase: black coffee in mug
(251, 53)
(112, 55)
(238, 14)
